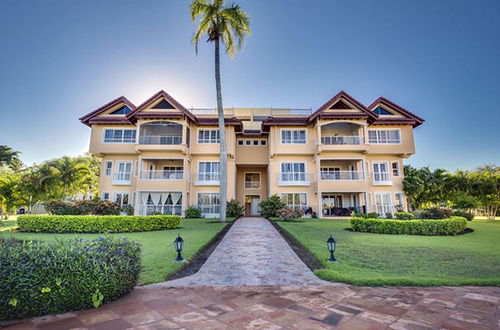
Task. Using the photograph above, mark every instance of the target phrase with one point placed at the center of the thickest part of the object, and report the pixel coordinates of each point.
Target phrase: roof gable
(399, 114)
(104, 113)
(342, 106)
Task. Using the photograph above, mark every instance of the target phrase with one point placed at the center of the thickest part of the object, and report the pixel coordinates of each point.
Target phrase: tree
(70, 174)
(423, 186)
(486, 188)
(229, 25)
(10, 196)
(9, 157)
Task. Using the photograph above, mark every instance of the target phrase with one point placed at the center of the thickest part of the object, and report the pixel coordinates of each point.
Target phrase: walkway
(251, 253)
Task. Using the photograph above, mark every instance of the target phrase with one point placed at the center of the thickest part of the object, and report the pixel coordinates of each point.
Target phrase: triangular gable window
(381, 111)
(163, 104)
(122, 111)
(340, 105)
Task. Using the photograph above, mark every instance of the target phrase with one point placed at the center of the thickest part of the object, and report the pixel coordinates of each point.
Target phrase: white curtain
(156, 196)
(176, 196)
(144, 198)
(164, 197)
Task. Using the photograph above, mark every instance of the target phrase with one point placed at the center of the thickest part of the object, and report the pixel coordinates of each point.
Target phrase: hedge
(96, 223)
(450, 226)
(38, 278)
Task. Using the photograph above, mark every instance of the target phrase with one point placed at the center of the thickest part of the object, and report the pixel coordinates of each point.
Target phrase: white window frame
(400, 193)
(122, 193)
(103, 194)
(384, 208)
(213, 205)
(398, 168)
(292, 141)
(106, 162)
(123, 141)
(209, 140)
(293, 193)
(388, 174)
(245, 180)
(198, 172)
(378, 139)
(116, 177)
(306, 177)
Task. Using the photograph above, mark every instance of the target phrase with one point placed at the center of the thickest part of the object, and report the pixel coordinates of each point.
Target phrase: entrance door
(252, 205)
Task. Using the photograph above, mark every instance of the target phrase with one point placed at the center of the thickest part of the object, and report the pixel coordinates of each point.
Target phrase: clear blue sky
(439, 59)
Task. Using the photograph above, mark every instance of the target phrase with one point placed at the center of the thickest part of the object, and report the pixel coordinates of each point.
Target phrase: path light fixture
(178, 244)
(331, 247)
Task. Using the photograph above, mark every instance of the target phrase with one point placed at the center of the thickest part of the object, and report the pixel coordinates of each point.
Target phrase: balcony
(342, 140)
(121, 178)
(326, 175)
(160, 139)
(293, 179)
(160, 135)
(207, 178)
(382, 179)
(162, 175)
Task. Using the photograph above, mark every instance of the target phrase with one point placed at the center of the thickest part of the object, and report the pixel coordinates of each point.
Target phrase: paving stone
(98, 317)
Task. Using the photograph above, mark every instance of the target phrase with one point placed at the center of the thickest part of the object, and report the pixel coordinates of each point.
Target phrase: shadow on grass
(466, 231)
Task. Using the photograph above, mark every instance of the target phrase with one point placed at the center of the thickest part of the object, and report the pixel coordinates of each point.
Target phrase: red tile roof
(122, 99)
(382, 100)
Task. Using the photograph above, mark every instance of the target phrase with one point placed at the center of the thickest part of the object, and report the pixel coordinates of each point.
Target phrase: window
(208, 171)
(248, 142)
(293, 136)
(209, 203)
(383, 203)
(380, 172)
(263, 142)
(241, 142)
(295, 200)
(166, 202)
(395, 168)
(119, 135)
(108, 167)
(384, 136)
(208, 136)
(124, 171)
(122, 111)
(293, 172)
(399, 199)
(252, 142)
(105, 196)
(255, 142)
(381, 111)
(121, 198)
(252, 180)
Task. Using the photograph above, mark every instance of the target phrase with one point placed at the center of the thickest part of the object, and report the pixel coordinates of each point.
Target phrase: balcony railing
(150, 209)
(252, 184)
(162, 175)
(122, 178)
(210, 210)
(381, 178)
(341, 140)
(293, 178)
(384, 209)
(342, 175)
(160, 139)
(208, 178)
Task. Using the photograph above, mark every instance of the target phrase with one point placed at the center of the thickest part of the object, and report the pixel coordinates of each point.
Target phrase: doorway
(332, 204)
(252, 205)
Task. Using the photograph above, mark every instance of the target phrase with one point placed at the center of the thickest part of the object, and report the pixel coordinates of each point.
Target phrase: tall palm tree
(228, 25)
(10, 157)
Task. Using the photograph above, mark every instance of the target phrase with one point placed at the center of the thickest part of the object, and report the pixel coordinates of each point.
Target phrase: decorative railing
(160, 139)
(293, 178)
(122, 178)
(162, 175)
(341, 140)
(381, 178)
(208, 178)
(150, 209)
(342, 175)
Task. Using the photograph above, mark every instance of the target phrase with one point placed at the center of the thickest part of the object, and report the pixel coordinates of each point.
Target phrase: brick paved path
(340, 306)
(251, 253)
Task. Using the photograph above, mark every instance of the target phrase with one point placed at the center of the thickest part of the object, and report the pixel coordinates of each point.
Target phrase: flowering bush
(289, 214)
(39, 278)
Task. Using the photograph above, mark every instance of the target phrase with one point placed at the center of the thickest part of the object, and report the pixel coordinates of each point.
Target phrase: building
(161, 157)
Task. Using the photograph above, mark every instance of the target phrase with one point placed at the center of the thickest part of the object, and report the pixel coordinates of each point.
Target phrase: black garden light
(178, 244)
(331, 247)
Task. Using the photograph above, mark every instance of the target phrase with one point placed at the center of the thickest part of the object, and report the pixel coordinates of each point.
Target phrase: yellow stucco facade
(162, 158)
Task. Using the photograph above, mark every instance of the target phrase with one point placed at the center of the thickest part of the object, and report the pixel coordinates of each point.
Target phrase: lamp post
(331, 247)
(178, 244)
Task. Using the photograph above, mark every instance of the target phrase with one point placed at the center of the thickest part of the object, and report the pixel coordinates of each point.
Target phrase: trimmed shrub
(289, 214)
(192, 212)
(269, 207)
(435, 213)
(428, 227)
(85, 207)
(234, 208)
(404, 216)
(96, 223)
(372, 215)
(464, 214)
(39, 278)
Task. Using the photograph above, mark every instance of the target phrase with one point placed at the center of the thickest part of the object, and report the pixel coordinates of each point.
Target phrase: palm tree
(9, 194)
(229, 25)
(70, 173)
(10, 157)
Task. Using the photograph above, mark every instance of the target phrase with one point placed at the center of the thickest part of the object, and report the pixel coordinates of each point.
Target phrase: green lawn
(375, 259)
(157, 246)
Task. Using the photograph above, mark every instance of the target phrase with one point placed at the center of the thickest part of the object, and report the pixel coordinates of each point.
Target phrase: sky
(439, 59)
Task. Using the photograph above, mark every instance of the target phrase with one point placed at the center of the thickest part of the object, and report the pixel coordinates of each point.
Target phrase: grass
(380, 260)
(157, 246)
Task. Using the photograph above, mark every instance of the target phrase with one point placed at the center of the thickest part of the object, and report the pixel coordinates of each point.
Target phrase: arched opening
(160, 132)
(342, 133)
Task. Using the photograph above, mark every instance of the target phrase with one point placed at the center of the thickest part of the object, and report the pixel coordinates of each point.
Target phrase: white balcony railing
(342, 176)
(384, 209)
(150, 209)
(122, 178)
(381, 178)
(293, 178)
(209, 210)
(252, 184)
(162, 175)
(160, 139)
(341, 140)
(212, 178)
